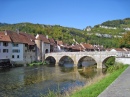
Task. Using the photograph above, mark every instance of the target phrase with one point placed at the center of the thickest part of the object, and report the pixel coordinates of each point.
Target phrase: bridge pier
(99, 65)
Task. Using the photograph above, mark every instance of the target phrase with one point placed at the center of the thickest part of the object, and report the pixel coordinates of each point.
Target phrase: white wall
(44, 47)
(5, 55)
(20, 47)
(123, 60)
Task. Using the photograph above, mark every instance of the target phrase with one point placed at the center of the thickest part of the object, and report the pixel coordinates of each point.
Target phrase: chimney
(17, 30)
(47, 36)
(5, 32)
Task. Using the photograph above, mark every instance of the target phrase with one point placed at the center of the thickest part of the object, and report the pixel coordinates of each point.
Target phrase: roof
(5, 38)
(77, 47)
(15, 37)
(43, 38)
(27, 38)
(19, 37)
(117, 49)
(52, 41)
(87, 46)
(126, 49)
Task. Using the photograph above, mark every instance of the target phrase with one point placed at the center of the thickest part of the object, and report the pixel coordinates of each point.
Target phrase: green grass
(95, 89)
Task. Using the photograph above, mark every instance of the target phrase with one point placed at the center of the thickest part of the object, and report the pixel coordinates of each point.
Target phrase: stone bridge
(99, 57)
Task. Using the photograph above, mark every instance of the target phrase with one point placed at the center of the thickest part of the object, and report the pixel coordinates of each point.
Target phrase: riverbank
(95, 89)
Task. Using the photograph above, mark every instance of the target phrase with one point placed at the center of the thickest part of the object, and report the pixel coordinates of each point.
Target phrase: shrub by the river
(35, 64)
(38, 63)
(114, 67)
(110, 62)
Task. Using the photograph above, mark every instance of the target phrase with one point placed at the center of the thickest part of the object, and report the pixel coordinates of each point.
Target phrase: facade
(42, 47)
(53, 46)
(5, 46)
(60, 46)
(19, 49)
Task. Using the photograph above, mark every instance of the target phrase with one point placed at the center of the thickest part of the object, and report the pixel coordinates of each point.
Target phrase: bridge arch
(51, 60)
(65, 60)
(105, 59)
(86, 61)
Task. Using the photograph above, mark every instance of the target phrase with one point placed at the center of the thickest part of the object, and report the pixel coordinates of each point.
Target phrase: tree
(125, 41)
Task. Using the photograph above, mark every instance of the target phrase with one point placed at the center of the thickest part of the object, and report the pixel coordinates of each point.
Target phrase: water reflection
(32, 81)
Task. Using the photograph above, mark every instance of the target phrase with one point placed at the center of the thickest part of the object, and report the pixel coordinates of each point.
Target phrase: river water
(34, 81)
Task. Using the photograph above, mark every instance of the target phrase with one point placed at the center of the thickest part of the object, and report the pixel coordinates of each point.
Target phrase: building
(87, 47)
(21, 49)
(42, 47)
(5, 46)
(53, 46)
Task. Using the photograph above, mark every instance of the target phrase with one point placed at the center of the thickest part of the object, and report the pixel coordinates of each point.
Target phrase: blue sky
(69, 13)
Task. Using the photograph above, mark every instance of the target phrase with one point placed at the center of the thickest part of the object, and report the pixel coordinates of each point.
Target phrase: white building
(20, 47)
(42, 46)
(5, 46)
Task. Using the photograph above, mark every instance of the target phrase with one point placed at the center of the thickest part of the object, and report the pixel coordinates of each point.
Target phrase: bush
(35, 64)
(116, 66)
(110, 62)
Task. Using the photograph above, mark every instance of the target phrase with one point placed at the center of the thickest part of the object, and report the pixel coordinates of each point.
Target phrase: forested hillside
(118, 23)
(97, 35)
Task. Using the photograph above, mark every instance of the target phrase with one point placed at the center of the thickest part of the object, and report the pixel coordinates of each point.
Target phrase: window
(0, 43)
(15, 50)
(15, 45)
(5, 50)
(5, 44)
(17, 56)
(26, 45)
(12, 56)
(0, 50)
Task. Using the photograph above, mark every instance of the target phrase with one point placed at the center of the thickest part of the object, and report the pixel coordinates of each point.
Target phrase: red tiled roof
(2, 33)
(119, 49)
(27, 38)
(77, 47)
(19, 37)
(5, 38)
(43, 38)
(15, 37)
(87, 46)
(52, 41)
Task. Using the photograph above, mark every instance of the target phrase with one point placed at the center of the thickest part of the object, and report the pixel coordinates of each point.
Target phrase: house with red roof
(20, 46)
(42, 46)
(5, 46)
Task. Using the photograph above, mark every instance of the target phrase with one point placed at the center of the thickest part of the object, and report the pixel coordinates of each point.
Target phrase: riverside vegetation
(38, 63)
(95, 86)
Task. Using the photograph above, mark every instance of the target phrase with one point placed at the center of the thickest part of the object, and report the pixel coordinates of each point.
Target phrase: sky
(68, 13)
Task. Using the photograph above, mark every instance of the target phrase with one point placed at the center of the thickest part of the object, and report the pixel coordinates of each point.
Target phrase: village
(24, 48)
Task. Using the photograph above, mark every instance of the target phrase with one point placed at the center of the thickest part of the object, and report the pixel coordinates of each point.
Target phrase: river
(34, 81)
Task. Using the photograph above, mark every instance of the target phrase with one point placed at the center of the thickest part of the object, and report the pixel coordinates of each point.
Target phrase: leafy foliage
(125, 41)
(110, 62)
(118, 23)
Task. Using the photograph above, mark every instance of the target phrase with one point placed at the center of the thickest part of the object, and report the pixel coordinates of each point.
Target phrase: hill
(102, 34)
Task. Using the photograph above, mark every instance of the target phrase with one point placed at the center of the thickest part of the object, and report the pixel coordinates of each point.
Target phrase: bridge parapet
(81, 53)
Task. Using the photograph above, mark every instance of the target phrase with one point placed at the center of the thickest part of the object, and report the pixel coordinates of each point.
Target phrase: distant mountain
(3, 24)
